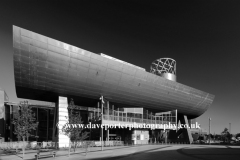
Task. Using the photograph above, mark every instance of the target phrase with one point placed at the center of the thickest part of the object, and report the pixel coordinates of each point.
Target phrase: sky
(202, 36)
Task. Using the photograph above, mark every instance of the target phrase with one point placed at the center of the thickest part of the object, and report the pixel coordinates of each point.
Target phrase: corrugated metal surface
(46, 64)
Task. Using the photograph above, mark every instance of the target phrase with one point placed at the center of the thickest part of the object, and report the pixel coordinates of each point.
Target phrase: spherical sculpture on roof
(164, 67)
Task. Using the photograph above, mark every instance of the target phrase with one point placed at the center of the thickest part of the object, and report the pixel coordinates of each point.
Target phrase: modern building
(44, 114)
(49, 70)
(3, 98)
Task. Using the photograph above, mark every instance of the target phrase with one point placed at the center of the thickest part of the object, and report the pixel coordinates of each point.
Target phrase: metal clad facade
(46, 64)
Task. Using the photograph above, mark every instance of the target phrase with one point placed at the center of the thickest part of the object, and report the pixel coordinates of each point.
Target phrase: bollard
(23, 150)
(16, 150)
(68, 150)
(37, 155)
(54, 154)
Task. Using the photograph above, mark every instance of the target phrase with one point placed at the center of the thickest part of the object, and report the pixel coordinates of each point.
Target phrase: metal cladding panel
(50, 66)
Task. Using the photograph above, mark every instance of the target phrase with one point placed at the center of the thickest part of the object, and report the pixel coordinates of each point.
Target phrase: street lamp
(230, 132)
(209, 137)
(229, 128)
(102, 102)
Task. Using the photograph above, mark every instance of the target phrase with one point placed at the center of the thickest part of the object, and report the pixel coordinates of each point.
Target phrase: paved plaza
(145, 152)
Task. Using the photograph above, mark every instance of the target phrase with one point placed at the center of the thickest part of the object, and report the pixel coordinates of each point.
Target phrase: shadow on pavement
(158, 152)
(184, 153)
(124, 148)
(210, 153)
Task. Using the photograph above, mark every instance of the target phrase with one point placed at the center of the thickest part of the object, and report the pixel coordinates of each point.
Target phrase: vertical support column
(54, 138)
(147, 117)
(151, 117)
(113, 113)
(134, 136)
(155, 119)
(176, 121)
(98, 109)
(133, 119)
(126, 116)
(47, 123)
(209, 136)
(108, 110)
(188, 130)
(107, 137)
(38, 127)
(63, 119)
(11, 125)
(118, 114)
(101, 127)
(166, 137)
(90, 115)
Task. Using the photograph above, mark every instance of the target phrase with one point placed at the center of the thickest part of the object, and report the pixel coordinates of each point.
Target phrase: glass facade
(44, 131)
(45, 117)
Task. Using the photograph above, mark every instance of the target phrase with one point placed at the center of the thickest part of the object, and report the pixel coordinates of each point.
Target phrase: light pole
(209, 137)
(214, 137)
(230, 132)
(102, 102)
(102, 128)
(229, 128)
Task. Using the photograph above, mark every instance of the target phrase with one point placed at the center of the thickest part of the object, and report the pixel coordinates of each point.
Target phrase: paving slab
(142, 152)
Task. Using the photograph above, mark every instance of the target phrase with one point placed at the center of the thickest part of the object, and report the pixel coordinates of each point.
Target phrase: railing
(53, 149)
(55, 145)
(137, 120)
(10, 145)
